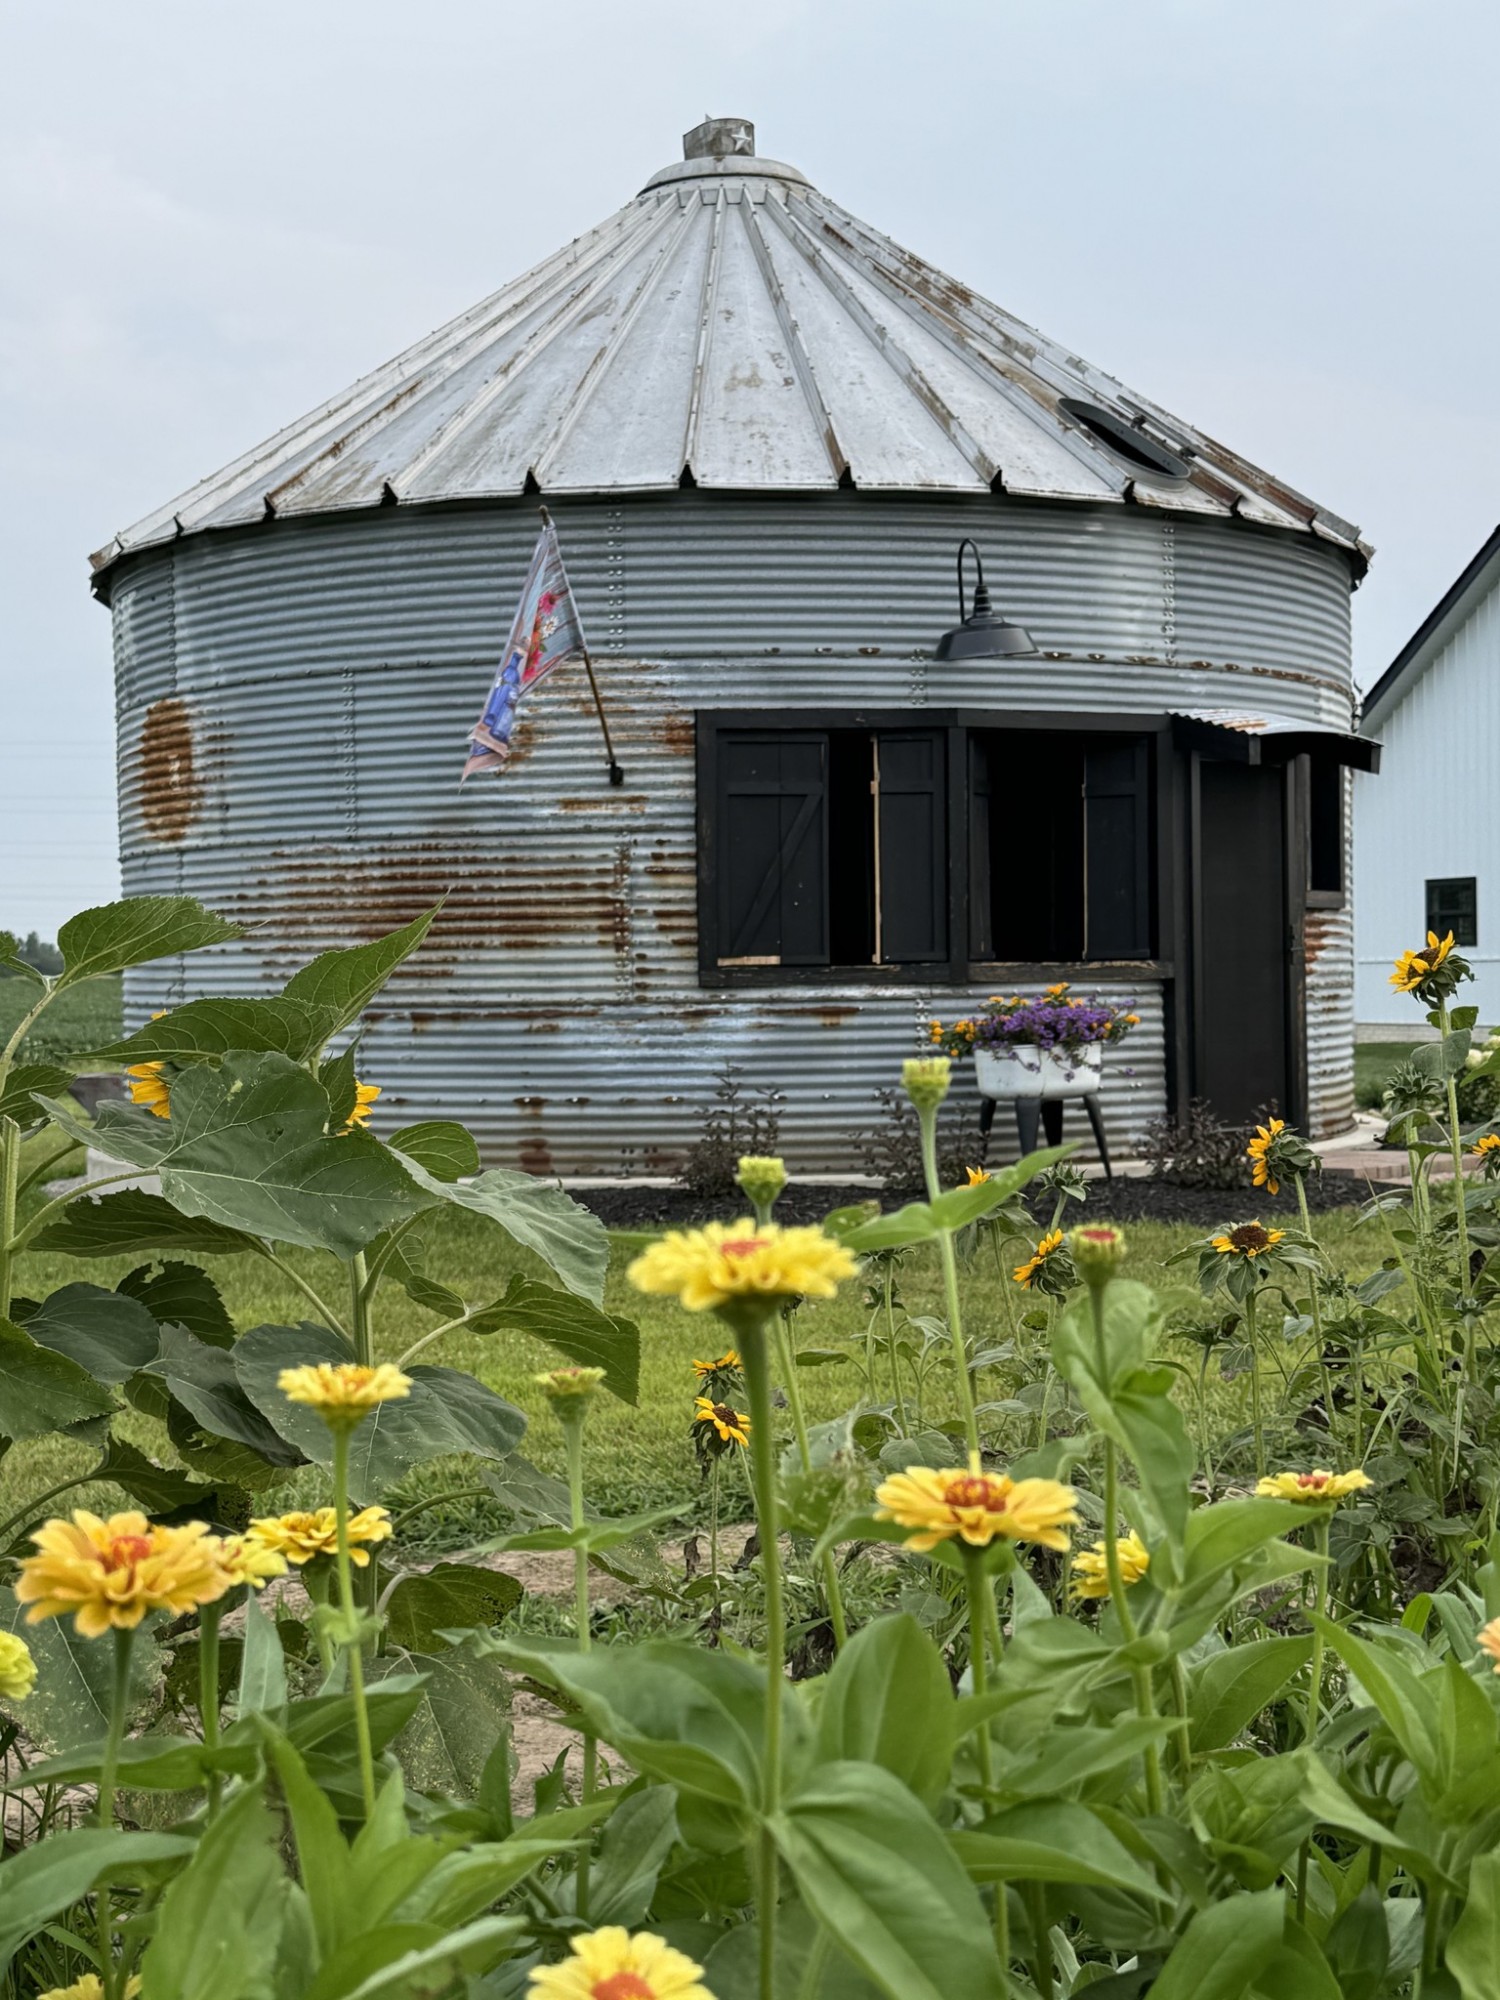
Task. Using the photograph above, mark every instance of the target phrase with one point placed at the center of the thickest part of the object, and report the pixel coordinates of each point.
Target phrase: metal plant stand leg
(986, 1120)
(1096, 1120)
(1047, 1114)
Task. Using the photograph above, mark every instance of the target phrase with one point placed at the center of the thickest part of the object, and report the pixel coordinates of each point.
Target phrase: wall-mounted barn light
(980, 635)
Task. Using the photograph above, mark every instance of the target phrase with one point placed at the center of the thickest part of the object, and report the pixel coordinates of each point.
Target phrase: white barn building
(1427, 833)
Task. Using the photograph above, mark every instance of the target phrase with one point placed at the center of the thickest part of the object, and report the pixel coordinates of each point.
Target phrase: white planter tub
(1027, 1071)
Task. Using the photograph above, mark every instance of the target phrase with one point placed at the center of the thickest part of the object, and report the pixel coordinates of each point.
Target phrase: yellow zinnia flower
(343, 1393)
(975, 1506)
(1251, 1239)
(977, 1176)
(1025, 1274)
(610, 1964)
(89, 1988)
(246, 1559)
(1412, 967)
(1489, 1641)
(732, 1425)
(365, 1095)
(147, 1084)
(111, 1573)
(1311, 1489)
(1091, 1566)
(17, 1668)
(727, 1360)
(302, 1537)
(722, 1263)
(1257, 1149)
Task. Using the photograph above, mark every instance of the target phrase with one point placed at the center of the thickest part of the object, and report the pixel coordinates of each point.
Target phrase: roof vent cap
(716, 137)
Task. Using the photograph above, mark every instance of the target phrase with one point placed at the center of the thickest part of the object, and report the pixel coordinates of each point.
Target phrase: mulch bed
(1118, 1201)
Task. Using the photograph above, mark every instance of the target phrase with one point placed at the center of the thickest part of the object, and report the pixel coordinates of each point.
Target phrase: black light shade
(981, 635)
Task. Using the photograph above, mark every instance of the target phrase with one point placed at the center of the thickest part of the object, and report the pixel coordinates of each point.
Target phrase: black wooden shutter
(1117, 848)
(772, 845)
(981, 911)
(913, 848)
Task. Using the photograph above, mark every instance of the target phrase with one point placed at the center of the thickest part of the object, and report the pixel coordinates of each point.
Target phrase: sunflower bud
(1098, 1251)
(926, 1079)
(572, 1386)
(761, 1179)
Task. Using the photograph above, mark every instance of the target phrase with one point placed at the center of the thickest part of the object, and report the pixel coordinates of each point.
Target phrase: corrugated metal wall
(294, 703)
(1431, 814)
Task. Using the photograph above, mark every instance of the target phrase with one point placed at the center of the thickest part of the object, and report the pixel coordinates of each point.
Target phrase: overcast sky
(1279, 220)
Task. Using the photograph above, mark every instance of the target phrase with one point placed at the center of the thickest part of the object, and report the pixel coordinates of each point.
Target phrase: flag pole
(616, 775)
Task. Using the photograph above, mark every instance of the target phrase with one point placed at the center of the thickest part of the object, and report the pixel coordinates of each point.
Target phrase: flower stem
(1460, 1182)
(208, 1691)
(755, 1349)
(359, 1309)
(787, 1356)
(1255, 1416)
(1320, 1602)
(890, 1334)
(346, 1604)
(119, 1703)
(1041, 1944)
(927, 1124)
(10, 1180)
(572, 1419)
(974, 1582)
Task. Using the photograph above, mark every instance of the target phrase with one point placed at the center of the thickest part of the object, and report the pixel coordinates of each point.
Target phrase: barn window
(829, 847)
(1325, 828)
(1060, 847)
(1452, 905)
(928, 847)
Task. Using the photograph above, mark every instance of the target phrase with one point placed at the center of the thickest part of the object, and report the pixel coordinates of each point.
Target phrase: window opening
(1127, 441)
(1325, 827)
(1453, 905)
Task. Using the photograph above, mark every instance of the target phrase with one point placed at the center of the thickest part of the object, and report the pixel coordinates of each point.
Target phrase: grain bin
(762, 430)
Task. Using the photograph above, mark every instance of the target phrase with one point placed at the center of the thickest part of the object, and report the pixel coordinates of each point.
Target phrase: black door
(1242, 954)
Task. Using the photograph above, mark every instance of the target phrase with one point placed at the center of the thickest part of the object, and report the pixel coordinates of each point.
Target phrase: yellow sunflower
(1026, 1274)
(365, 1095)
(1311, 1489)
(1412, 967)
(303, 1537)
(727, 1360)
(147, 1084)
(975, 1506)
(1490, 1143)
(1091, 1566)
(732, 1425)
(343, 1393)
(1251, 1239)
(17, 1668)
(1259, 1146)
(611, 1964)
(1489, 1641)
(721, 1264)
(89, 1987)
(977, 1176)
(110, 1573)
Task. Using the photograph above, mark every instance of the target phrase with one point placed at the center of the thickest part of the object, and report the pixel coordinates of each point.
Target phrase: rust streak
(171, 789)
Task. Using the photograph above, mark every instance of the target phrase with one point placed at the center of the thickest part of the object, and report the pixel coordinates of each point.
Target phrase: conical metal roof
(732, 328)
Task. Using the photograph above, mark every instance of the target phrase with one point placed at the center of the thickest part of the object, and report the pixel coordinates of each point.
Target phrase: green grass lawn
(639, 1456)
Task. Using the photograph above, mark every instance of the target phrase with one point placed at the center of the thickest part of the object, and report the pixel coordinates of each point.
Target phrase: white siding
(1433, 811)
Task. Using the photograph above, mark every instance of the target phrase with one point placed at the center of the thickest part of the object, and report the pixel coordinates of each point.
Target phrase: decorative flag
(546, 632)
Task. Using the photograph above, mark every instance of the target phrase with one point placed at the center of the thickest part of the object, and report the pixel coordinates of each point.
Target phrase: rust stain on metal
(1321, 928)
(171, 789)
(609, 802)
(677, 735)
(534, 1156)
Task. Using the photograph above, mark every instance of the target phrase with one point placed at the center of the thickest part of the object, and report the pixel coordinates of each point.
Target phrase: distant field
(82, 1019)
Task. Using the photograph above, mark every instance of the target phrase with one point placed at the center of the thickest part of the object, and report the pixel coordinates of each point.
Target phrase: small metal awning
(1261, 736)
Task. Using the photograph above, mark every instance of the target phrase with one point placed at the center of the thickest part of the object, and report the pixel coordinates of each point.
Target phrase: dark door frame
(1293, 986)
